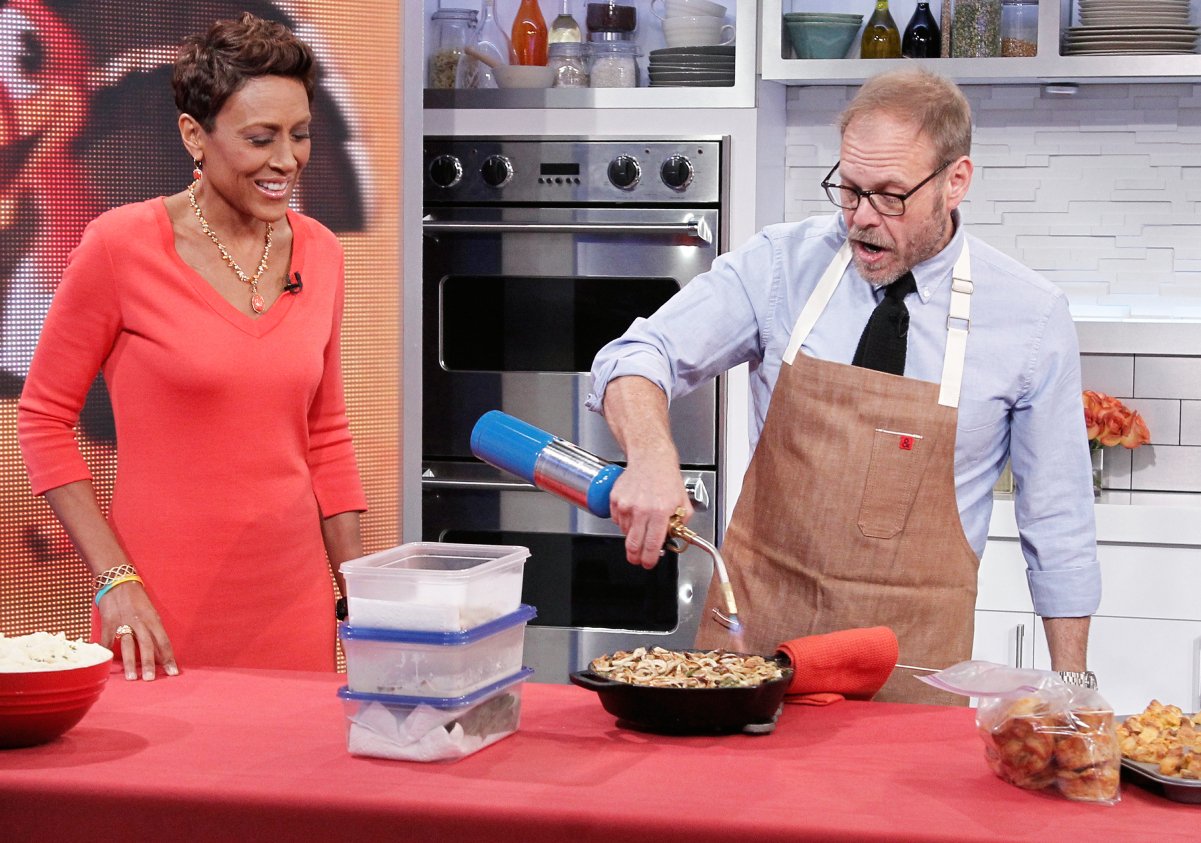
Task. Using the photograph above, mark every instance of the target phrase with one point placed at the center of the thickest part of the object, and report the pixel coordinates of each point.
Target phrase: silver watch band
(1086, 678)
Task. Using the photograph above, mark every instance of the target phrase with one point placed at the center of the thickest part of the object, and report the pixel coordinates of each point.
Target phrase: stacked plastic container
(433, 642)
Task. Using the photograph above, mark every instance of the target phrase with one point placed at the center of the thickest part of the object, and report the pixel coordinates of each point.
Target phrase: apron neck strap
(958, 318)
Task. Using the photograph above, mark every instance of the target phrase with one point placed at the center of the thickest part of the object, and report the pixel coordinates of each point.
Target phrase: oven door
(519, 300)
(590, 600)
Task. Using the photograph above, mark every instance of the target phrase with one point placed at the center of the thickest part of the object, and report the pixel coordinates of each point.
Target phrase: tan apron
(847, 516)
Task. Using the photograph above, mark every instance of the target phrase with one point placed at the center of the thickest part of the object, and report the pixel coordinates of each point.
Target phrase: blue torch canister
(550, 463)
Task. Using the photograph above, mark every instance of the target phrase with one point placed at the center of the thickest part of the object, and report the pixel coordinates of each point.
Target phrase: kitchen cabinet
(743, 13)
(1005, 637)
(1054, 16)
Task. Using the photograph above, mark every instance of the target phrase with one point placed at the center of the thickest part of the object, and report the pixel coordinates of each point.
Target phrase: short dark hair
(211, 68)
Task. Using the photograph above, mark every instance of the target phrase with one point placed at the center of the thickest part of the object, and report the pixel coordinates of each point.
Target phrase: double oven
(536, 253)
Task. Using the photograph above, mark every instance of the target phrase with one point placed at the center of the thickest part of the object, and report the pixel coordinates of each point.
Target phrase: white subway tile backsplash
(1162, 417)
(1112, 374)
(1190, 422)
(1167, 377)
(1166, 468)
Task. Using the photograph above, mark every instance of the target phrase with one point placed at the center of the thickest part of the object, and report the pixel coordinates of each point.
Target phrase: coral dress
(232, 438)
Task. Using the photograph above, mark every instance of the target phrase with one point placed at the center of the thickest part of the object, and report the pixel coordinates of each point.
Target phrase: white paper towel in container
(428, 731)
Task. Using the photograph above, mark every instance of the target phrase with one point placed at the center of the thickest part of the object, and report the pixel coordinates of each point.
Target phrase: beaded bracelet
(108, 577)
(117, 581)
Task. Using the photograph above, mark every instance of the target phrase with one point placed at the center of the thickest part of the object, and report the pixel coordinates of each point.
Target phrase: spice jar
(453, 29)
(1019, 27)
(566, 59)
(976, 29)
(614, 64)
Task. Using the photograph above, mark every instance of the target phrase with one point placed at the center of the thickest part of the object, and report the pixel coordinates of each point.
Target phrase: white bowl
(677, 8)
(697, 32)
(524, 76)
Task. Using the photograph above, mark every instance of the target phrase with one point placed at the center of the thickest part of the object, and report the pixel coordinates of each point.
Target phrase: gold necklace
(257, 303)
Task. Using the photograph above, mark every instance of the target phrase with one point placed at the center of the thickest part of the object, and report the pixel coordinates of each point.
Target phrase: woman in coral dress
(214, 315)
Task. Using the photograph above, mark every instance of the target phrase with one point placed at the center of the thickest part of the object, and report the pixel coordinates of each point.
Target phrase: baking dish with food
(1171, 787)
(690, 711)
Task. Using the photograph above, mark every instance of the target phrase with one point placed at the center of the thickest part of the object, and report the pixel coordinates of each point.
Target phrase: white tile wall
(1101, 193)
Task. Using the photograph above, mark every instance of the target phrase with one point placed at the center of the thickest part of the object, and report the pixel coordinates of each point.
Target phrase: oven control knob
(446, 171)
(624, 172)
(497, 170)
(676, 172)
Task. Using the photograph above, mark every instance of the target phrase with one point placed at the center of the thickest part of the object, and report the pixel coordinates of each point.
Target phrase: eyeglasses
(888, 204)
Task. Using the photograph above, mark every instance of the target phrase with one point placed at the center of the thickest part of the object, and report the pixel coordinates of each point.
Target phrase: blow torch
(579, 477)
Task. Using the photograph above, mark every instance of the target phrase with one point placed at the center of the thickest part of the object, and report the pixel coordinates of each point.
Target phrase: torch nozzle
(729, 619)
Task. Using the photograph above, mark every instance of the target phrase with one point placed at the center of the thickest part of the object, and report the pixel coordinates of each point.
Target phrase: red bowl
(38, 706)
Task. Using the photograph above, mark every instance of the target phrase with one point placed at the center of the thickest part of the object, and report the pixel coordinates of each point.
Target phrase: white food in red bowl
(47, 685)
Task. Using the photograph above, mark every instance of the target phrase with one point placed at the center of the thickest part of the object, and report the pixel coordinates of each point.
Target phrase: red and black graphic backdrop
(87, 121)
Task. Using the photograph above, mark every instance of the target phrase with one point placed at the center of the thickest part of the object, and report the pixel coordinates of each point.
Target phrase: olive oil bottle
(881, 38)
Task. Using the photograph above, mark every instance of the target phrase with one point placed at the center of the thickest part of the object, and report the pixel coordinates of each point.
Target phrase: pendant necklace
(257, 303)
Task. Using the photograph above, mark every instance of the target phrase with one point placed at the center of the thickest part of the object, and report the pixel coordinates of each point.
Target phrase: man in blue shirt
(869, 492)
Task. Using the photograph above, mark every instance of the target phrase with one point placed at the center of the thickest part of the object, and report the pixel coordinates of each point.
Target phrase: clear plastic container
(434, 586)
(453, 29)
(434, 664)
(1019, 27)
(976, 29)
(613, 64)
(417, 729)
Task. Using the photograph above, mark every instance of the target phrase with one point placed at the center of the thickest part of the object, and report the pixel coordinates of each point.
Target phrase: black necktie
(882, 345)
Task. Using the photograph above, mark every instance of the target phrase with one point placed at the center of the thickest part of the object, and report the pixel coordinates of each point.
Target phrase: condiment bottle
(921, 40)
(529, 35)
(564, 29)
(454, 29)
(881, 38)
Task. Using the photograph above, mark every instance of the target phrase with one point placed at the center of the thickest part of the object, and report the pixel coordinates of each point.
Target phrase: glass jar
(614, 64)
(1019, 27)
(453, 29)
(976, 29)
(566, 59)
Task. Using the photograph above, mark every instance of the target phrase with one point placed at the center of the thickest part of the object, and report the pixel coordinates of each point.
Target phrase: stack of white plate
(692, 67)
(1149, 27)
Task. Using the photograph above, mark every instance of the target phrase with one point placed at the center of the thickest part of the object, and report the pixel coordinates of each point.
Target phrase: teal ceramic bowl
(821, 40)
(823, 16)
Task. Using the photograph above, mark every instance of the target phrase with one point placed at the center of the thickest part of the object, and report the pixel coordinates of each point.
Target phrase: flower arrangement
(1110, 422)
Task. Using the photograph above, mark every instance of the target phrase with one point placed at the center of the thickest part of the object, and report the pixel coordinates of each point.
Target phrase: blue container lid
(437, 702)
(524, 614)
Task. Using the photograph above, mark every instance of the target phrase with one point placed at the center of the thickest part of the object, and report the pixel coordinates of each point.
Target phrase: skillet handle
(588, 679)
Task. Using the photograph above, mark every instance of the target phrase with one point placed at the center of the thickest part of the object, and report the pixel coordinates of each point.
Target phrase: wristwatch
(1086, 678)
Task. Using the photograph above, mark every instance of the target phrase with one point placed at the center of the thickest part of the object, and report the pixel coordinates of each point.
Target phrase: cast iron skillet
(689, 711)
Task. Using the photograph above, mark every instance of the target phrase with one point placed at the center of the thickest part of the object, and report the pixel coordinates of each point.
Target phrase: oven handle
(695, 228)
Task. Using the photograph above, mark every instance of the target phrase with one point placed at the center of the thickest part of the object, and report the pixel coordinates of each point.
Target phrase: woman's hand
(127, 604)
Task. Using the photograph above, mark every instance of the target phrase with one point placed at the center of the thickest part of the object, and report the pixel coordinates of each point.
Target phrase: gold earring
(197, 169)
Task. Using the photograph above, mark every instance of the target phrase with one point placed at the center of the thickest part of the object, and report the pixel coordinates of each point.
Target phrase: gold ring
(123, 629)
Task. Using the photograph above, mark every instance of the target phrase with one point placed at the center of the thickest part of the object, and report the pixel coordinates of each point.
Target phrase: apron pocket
(893, 475)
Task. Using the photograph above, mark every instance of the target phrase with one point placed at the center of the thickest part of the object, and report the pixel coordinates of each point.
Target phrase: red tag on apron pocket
(906, 443)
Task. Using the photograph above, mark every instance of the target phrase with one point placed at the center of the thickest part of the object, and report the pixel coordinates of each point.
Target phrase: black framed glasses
(888, 204)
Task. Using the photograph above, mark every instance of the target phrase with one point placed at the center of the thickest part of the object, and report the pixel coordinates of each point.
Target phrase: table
(248, 755)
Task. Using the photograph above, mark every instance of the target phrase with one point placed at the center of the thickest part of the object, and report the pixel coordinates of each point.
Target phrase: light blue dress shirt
(1021, 385)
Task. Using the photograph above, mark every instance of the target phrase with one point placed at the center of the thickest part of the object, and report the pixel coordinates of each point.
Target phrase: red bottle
(528, 44)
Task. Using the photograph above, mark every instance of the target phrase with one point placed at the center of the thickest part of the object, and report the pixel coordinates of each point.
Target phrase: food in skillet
(1165, 736)
(1033, 745)
(662, 668)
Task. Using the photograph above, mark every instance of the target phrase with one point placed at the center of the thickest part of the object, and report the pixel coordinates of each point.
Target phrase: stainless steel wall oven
(536, 253)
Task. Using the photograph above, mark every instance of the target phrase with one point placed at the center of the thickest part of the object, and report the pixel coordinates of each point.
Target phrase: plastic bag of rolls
(1039, 732)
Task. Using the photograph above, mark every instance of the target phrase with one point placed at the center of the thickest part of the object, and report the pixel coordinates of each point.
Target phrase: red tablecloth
(246, 755)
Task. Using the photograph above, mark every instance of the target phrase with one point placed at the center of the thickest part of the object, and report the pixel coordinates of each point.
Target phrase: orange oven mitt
(852, 663)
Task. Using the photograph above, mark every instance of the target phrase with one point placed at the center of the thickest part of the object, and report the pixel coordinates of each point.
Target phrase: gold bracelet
(112, 574)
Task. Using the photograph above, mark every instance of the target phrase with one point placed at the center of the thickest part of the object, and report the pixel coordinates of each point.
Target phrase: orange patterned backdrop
(87, 122)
